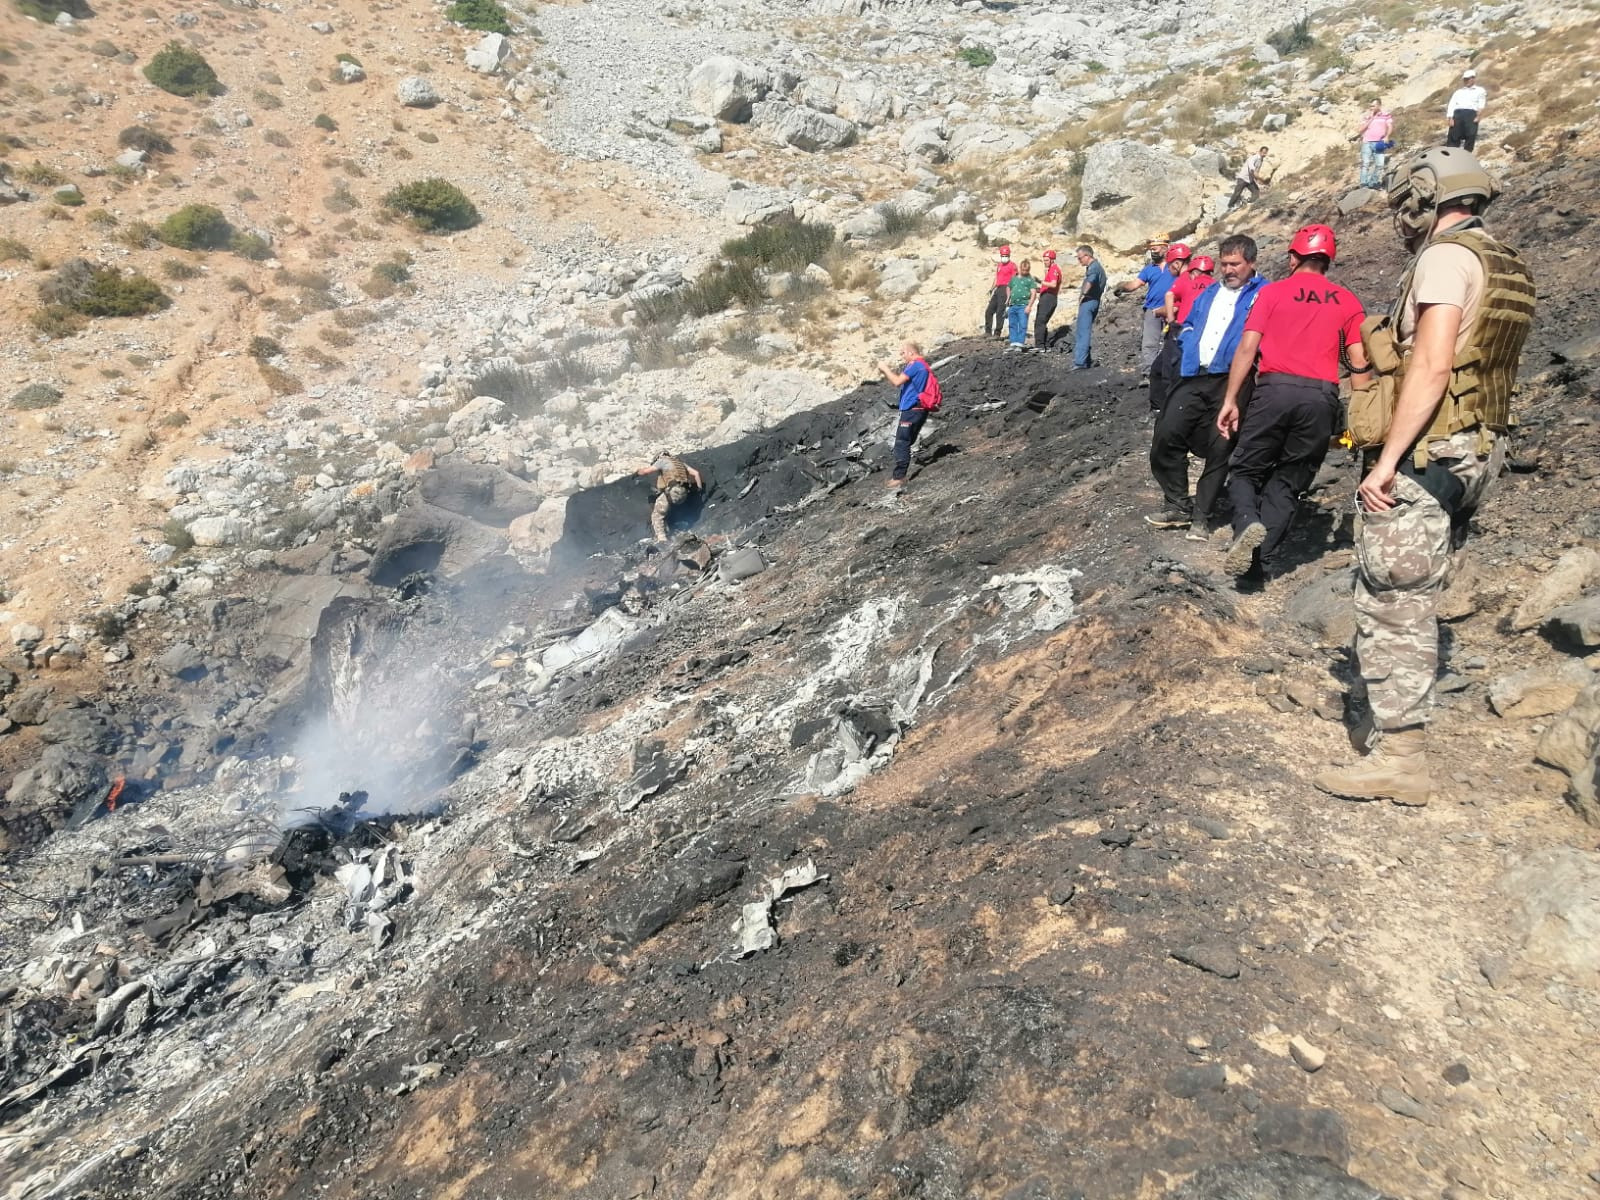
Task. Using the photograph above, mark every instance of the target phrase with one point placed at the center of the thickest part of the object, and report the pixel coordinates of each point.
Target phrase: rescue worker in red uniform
(1164, 371)
(994, 317)
(1300, 327)
(1049, 290)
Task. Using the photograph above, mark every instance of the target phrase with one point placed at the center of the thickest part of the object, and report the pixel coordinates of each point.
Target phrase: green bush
(394, 272)
(36, 395)
(325, 122)
(1295, 38)
(485, 15)
(784, 246)
(196, 227)
(347, 58)
(435, 205)
(251, 245)
(138, 137)
(93, 290)
(176, 268)
(717, 290)
(56, 320)
(182, 72)
(976, 56)
(68, 197)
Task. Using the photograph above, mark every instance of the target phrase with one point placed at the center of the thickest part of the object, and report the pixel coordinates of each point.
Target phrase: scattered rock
(1574, 572)
(1577, 623)
(1273, 122)
(1306, 1132)
(1214, 829)
(1277, 1176)
(350, 72)
(972, 145)
(490, 54)
(28, 706)
(1214, 960)
(807, 129)
(475, 417)
(25, 636)
(925, 140)
(1050, 202)
(1572, 744)
(681, 888)
(1557, 918)
(1187, 1083)
(220, 531)
(1456, 1074)
(1357, 199)
(181, 661)
(64, 780)
(1495, 969)
(1540, 690)
(1309, 1058)
(414, 91)
(1403, 1105)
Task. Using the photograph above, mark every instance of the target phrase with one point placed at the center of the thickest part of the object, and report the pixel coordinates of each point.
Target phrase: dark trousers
(1463, 128)
(1041, 319)
(905, 437)
(1282, 441)
(1240, 186)
(1164, 371)
(1188, 425)
(994, 317)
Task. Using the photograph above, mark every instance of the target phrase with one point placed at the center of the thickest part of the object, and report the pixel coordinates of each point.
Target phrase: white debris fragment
(754, 928)
(1026, 588)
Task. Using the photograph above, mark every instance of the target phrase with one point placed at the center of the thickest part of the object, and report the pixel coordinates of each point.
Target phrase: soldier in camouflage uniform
(676, 481)
(1447, 357)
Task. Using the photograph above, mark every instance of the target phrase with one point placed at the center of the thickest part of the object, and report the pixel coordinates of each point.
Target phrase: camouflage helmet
(1420, 184)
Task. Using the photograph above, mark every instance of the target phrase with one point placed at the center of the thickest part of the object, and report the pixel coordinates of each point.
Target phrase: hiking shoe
(895, 483)
(1397, 771)
(1242, 554)
(1197, 532)
(1168, 518)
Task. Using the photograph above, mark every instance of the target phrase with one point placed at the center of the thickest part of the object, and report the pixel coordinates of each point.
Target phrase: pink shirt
(1377, 127)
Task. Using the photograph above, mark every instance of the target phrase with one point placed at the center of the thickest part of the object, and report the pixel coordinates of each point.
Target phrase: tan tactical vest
(1485, 369)
(674, 475)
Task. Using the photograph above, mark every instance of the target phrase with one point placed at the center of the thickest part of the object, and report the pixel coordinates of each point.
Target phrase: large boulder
(1130, 189)
(726, 88)
(480, 491)
(414, 91)
(1571, 744)
(756, 206)
(925, 140)
(487, 57)
(1555, 894)
(980, 143)
(808, 129)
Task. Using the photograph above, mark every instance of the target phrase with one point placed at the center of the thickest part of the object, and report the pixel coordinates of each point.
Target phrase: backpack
(931, 396)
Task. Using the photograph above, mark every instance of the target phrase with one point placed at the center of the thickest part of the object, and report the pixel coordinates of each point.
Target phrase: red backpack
(931, 396)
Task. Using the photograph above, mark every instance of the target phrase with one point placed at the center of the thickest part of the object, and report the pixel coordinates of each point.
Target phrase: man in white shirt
(1249, 177)
(1466, 102)
(1187, 425)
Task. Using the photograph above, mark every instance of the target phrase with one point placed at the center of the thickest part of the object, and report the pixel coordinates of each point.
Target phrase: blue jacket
(1189, 335)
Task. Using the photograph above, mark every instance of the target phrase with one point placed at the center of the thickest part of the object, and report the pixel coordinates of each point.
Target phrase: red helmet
(1314, 239)
(1177, 252)
(1050, 254)
(1203, 263)
(1005, 251)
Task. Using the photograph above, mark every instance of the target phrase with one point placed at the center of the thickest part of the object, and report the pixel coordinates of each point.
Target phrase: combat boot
(1397, 771)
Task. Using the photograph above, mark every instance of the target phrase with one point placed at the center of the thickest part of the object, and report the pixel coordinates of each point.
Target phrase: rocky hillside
(383, 818)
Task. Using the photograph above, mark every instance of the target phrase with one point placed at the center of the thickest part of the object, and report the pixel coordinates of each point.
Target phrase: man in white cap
(1466, 102)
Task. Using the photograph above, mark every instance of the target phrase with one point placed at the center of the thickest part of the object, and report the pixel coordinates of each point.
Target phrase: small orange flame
(117, 784)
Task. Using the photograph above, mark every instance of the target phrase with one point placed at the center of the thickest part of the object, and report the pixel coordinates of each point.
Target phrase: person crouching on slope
(1300, 326)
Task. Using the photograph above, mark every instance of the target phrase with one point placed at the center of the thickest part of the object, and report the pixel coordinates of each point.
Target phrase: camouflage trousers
(1403, 560)
(666, 498)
